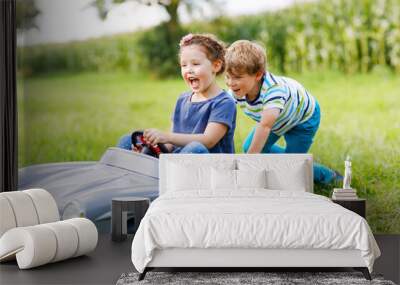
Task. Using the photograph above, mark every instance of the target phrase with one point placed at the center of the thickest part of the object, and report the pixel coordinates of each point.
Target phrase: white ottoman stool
(31, 232)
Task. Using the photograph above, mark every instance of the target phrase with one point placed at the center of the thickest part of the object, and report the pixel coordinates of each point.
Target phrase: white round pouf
(23, 207)
(33, 246)
(45, 205)
(31, 232)
(7, 218)
(87, 234)
(67, 240)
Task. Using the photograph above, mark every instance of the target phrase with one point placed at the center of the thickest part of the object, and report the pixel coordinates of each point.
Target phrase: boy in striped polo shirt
(280, 105)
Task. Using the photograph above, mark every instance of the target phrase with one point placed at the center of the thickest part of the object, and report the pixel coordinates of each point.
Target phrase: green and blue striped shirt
(286, 94)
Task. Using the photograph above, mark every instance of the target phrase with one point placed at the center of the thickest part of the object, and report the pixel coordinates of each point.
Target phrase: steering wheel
(144, 147)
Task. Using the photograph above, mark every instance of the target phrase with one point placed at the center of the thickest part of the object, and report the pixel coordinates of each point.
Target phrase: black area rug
(230, 278)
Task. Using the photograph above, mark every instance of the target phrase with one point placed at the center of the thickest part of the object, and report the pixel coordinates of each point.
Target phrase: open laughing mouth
(194, 82)
(236, 91)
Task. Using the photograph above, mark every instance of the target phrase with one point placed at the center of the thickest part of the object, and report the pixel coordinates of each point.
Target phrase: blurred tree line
(350, 36)
(26, 13)
(158, 47)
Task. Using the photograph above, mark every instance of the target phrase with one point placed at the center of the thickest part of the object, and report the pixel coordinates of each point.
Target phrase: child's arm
(263, 129)
(213, 133)
(170, 146)
(211, 136)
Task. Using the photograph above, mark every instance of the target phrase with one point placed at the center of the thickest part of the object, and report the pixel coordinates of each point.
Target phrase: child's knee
(198, 146)
(125, 142)
(194, 147)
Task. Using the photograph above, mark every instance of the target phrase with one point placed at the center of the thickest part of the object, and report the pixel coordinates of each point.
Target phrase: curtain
(8, 98)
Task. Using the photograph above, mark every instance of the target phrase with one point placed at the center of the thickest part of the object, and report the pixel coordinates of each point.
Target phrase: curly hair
(214, 48)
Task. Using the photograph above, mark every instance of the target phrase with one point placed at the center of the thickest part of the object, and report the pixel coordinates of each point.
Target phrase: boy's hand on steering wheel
(154, 136)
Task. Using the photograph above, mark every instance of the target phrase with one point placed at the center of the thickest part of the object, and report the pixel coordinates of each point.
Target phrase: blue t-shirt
(193, 117)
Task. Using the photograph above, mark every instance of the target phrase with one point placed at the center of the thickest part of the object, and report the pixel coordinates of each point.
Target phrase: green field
(76, 117)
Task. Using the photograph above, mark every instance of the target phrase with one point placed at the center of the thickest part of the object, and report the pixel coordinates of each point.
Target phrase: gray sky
(68, 20)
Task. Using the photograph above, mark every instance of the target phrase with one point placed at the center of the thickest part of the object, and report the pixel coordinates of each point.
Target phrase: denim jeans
(193, 147)
(125, 142)
(298, 140)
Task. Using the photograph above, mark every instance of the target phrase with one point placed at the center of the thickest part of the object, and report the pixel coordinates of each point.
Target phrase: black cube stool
(121, 207)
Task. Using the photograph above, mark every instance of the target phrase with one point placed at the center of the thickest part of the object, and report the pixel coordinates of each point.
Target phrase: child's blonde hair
(244, 56)
(214, 48)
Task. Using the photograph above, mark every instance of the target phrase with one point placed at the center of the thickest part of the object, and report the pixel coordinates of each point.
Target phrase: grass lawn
(76, 117)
